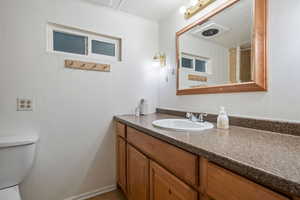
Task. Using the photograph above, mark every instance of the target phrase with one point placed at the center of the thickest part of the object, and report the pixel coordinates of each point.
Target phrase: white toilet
(16, 159)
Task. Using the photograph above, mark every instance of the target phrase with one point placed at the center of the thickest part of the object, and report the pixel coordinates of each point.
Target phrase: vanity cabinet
(121, 163)
(137, 175)
(151, 169)
(121, 156)
(165, 186)
(182, 163)
(225, 185)
(121, 130)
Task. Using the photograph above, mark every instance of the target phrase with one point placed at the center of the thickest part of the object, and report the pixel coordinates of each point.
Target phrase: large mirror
(224, 51)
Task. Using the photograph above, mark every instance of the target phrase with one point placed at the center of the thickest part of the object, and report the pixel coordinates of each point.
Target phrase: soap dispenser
(223, 120)
(144, 107)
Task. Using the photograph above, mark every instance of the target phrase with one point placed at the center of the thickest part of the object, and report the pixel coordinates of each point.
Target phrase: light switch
(24, 104)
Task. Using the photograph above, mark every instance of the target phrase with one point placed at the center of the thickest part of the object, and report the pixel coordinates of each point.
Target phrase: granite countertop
(268, 158)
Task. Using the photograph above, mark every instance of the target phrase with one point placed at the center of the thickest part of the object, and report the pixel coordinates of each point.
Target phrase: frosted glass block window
(69, 43)
(68, 40)
(200, 65)
(195, 63)
(187, 63)
(103, 48)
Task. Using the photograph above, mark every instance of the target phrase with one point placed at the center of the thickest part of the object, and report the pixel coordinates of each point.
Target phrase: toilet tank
(16, 158)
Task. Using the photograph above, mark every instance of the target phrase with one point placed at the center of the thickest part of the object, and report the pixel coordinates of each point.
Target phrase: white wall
(218, 71)
(73, 109)
(282, 99)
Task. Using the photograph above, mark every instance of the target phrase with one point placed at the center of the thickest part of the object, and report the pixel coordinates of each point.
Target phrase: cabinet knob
(170, 191)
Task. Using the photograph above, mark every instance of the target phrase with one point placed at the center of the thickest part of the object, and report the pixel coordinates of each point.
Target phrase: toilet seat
(11, 193)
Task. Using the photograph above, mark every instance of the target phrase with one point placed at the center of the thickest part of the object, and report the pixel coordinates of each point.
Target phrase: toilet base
(11, 193)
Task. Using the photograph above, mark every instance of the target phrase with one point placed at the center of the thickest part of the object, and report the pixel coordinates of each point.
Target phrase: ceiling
(150, 9)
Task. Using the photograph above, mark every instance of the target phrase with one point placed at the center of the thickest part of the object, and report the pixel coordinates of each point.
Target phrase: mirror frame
(259, 44)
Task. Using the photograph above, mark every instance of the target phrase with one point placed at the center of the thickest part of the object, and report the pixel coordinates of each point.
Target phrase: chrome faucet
(194, 117)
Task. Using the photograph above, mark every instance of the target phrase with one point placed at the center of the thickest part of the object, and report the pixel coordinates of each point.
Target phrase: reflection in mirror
(218, 51)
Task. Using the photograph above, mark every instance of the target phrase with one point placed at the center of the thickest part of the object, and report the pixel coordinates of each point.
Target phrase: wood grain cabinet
(165, 186)
(151, 169)
(137, 175)
(225, 185)
(121, 164)
(121, 130)
(182, 163)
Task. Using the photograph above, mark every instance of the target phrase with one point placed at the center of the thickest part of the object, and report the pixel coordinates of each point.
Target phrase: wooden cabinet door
(165, 186)
(121, 130)
(181, 163)
(121, 163)
(137, 174)
(225, 185)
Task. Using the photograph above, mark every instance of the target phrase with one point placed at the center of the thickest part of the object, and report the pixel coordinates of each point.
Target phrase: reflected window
(200, 65)
(194, 63)
(187, 63)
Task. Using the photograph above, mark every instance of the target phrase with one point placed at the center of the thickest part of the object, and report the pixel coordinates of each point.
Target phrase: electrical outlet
(24, 104)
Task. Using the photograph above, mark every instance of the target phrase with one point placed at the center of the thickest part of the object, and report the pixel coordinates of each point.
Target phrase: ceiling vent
(209, 31)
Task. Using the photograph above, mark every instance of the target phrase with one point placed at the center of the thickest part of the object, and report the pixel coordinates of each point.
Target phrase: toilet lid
(14, 140)
(11, 193)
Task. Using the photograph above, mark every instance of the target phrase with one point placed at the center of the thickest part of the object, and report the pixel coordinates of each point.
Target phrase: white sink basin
(182, 125)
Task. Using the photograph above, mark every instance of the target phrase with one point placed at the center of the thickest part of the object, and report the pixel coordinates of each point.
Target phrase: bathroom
(75, 105)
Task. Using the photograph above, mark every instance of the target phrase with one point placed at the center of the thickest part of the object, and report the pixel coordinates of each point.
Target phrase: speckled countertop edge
(257, 175)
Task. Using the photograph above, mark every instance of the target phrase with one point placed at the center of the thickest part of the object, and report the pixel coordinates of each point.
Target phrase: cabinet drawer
(121, 130)
(181, 163)
(164, 185)
(225, 185)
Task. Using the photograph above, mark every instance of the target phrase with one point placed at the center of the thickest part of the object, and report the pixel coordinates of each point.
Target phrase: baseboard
(93, 193)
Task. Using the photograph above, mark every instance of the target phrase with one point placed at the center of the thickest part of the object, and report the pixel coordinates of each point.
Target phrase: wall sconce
(195, 7)
(161, 58)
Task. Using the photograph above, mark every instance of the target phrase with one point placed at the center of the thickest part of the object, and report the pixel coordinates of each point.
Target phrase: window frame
(205, 66)
(190, 58)
(90, 36)
(194, 58)
(74, 34)
(102, 56)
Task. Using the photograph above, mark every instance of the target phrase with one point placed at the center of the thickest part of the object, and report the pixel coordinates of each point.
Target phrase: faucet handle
(188, 115)
(201, 115)
(195, 117)
(204, 114)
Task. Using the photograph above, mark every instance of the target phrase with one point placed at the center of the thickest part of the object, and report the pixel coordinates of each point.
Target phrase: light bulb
(194, 2)
(182, 9)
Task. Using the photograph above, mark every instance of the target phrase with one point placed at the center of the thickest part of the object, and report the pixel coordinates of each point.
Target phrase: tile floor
(114, 195)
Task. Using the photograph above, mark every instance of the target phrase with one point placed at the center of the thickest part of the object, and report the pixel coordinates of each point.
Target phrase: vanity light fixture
(194, 2)
(161, 58)
(182, 10)
(196, 6)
